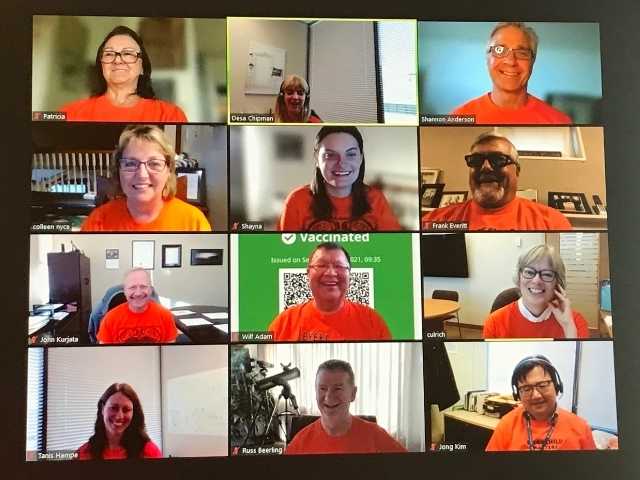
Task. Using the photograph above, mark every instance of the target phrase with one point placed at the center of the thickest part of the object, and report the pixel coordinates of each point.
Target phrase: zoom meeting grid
(201, 210)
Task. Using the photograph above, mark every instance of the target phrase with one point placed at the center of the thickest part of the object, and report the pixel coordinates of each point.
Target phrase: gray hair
(529, 32)
(540, 252)
(491, 137)
(338, 365)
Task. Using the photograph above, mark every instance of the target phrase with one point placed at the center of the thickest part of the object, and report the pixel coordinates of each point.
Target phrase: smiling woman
(144, 175)
(120, 430)
(292, 104)
(544, 309)
(124, 92)
(337, 198)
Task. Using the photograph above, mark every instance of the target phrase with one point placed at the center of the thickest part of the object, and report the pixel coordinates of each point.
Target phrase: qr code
(293, 287)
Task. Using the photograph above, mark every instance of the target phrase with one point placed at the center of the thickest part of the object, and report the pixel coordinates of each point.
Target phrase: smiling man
(329, 315)
(140, 320)
(337, 431)
(511, 53)
(538, 423)
(494, 167)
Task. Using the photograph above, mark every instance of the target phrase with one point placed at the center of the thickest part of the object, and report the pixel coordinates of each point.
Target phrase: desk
(471, 428)
(69, 326)
(207, 333)
(436, 311)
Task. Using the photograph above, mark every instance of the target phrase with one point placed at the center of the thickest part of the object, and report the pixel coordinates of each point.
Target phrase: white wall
(596, 387)
(469, 364)
(194, 400)
(492, 259)
(197, 285)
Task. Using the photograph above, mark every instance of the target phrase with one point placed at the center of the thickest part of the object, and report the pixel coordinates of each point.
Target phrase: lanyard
(547, 437)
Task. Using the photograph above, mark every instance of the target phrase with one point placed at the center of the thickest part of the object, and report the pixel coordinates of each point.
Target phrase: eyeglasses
(496, 159)
(545, 275)
(501, 51)
(127, 56)
(131, 165)
(527, 390)
(323, 267)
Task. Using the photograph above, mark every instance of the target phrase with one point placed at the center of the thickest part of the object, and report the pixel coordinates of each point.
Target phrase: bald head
(137, 289)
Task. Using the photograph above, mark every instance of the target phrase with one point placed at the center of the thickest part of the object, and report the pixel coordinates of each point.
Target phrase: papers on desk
(224, 327)
(60, 315)
(217, 316)
(182, 313)
(194, 322)
(36, 322)
(49, 307)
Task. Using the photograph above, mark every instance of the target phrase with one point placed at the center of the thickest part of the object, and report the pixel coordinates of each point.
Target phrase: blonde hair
(280, 111)
(151, 134)
(540, 252)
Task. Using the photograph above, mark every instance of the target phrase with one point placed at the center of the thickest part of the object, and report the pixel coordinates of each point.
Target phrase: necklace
(547, 437)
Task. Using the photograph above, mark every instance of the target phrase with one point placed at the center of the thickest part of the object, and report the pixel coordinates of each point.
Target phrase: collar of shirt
(530, 316)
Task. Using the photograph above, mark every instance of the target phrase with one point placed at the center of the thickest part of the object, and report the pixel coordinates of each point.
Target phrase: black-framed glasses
(127, 56)
(546, 275)
(496, 159)
(323, 267)
(527, 390)
(131, 165)
(502, 51)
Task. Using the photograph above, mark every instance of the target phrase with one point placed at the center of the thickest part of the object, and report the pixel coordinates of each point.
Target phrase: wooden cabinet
(70, 282)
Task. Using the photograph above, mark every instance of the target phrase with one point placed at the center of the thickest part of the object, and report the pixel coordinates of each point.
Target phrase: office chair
(298, 422)
(505, 297)
(448, 295)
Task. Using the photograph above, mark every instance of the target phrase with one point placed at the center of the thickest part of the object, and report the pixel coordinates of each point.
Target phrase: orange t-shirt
(154, 325)
(304, 322)
(508, 322)
(534, 111)
(362, 437)
(150, 450)
(297, 215)
(175, 216)
(570, 433)
(518, 214)
(100, 109)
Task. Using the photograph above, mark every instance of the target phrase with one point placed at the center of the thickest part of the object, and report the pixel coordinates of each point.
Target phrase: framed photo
(569, 202)
(430, 193)
(171, 256)
(430, 175)
(143, 254)
(191, 185)
(529, 194)
(449, 198)
(206, 256)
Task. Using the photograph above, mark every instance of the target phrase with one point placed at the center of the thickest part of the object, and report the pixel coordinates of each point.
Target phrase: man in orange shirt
(337, 431)
(494, 167)
(140, 320)
(329, 315)
(538, 423)
(511, 53)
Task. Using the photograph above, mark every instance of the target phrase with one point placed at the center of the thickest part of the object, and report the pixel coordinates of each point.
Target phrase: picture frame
(429, 175)
(207, 256)
(143, 254)
(529, 194)
(193, 188)
(450, 198)
(171, 256)
(569, 202)
(430, 194)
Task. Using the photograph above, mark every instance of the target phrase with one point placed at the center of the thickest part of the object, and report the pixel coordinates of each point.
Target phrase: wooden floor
(451, 329)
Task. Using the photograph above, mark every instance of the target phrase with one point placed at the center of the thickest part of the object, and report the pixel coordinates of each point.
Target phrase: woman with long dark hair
(123, 90)
(119, 430)
(337, 198)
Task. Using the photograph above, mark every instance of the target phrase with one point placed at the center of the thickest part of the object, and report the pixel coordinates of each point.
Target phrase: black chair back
(445, 295)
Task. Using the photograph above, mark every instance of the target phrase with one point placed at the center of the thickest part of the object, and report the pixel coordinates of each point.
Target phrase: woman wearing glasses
(144, 174)
(337, 198)
(511, 54)
(544, 309)
(123, 91)
(119, 429)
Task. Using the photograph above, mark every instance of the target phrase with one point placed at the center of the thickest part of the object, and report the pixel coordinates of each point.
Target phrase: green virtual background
(388, 255)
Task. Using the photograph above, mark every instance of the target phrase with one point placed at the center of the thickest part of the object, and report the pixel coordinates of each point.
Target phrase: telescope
(279, 379)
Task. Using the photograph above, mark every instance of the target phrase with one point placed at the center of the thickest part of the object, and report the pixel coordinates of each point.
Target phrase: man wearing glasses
(511, 53)
(329, 316)
(538, 423)
(494, 168)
